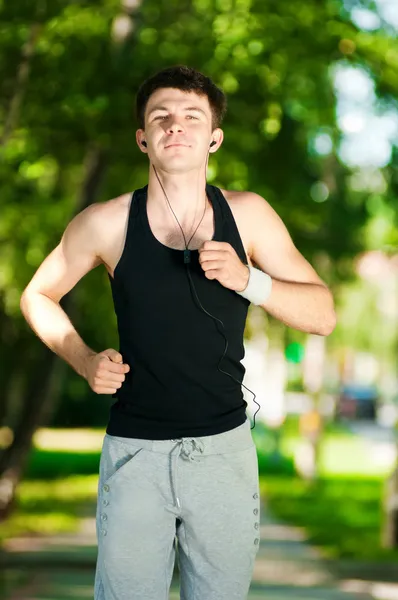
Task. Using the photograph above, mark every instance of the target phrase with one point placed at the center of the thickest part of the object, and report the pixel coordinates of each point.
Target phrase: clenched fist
(105, 371)
(220, 261)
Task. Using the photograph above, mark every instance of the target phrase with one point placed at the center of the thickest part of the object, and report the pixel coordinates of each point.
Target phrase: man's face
(178, 130)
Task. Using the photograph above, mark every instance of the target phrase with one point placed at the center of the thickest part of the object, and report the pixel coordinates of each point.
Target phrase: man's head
(179, 105)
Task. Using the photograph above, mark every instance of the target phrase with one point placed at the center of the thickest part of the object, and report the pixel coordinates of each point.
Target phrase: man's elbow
(330, 317)
(329, 325)
(22, 301)
(25, 300)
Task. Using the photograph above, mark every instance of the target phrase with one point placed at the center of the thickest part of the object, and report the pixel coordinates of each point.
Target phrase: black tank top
(173, 388)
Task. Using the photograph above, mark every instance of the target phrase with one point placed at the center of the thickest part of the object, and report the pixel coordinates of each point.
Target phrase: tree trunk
(44, 380)
(390, 526)
(20, 83)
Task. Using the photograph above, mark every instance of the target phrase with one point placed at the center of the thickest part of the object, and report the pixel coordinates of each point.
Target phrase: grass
(56, 464)
(60, 484)
(343, 515)
(50, 506)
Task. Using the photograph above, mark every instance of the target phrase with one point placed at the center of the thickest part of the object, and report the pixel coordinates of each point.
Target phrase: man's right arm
(76, 254)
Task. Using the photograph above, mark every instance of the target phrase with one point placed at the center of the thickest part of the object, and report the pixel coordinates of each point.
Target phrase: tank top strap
(230, 230)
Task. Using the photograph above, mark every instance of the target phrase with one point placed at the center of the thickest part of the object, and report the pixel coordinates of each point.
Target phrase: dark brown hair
(188, 80)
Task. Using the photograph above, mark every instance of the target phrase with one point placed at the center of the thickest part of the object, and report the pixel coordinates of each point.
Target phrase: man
(178, 459)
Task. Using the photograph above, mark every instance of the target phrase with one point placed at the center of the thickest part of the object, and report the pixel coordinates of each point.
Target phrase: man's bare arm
(76, 254)
(299, 298)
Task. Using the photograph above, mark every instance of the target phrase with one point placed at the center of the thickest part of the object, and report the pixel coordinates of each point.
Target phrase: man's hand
(105, 371)
(220, 261)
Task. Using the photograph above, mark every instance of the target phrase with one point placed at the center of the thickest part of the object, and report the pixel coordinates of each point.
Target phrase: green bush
(55, 464)
(343, 515)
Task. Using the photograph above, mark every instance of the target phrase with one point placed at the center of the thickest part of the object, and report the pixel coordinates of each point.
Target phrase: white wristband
(259, 287)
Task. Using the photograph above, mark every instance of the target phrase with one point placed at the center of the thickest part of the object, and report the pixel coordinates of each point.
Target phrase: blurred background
(312, 126)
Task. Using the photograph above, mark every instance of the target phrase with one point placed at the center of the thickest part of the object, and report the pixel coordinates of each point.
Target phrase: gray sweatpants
(198, 494)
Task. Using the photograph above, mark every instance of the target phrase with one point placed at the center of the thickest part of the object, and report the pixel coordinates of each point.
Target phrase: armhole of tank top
(224, 207)
(128, 228)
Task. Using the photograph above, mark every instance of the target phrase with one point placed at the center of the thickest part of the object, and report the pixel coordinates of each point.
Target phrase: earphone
(143, 143)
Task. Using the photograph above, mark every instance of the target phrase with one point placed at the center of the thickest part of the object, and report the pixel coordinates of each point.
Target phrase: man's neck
(186, 194)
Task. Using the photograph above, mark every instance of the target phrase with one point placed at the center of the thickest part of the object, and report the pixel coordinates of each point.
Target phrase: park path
(61, 567)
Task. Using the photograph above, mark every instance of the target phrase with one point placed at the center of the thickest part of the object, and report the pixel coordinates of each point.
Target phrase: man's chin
(177, 164)
(177, 170)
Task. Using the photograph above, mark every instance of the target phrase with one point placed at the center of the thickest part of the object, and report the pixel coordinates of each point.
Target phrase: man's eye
(161, 117)
(191, 117)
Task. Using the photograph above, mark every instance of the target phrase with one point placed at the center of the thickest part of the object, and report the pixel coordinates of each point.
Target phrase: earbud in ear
(143, 143)
(213, 143)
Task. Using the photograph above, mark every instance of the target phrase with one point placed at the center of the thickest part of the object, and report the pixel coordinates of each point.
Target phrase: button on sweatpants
(199, 496)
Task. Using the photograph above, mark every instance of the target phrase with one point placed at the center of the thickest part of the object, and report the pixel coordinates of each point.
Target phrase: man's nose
(174, 125)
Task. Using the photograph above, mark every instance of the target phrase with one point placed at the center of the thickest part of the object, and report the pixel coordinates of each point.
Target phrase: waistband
(238, 438)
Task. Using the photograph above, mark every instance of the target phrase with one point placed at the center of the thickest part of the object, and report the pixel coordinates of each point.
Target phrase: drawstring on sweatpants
(186, 448)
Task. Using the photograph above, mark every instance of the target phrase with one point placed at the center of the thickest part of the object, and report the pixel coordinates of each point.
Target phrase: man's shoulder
(246, 204)
(114, 206)
(108, 213)
(242, 197)
(101, 222)
(105, 223)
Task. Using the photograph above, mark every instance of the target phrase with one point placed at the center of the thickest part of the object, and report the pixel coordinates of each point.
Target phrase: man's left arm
(299, 298)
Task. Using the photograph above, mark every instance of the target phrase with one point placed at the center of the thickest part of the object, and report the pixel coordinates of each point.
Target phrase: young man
(178, 459)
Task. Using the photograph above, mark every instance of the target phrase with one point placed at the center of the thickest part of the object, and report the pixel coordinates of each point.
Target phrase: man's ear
(218, 137)
(140, 138)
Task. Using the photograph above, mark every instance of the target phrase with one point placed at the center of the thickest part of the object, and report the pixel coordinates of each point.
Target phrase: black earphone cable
(185, 241)
(187, 260)
(226, 346)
